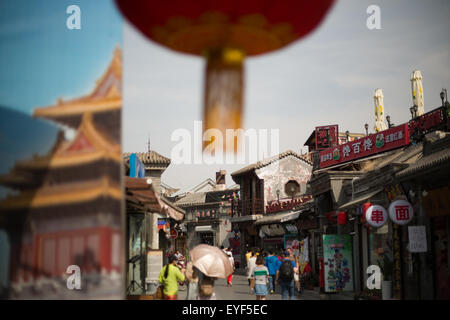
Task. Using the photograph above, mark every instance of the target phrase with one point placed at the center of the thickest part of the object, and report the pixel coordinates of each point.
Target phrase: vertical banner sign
(154, 265)
(392, 193)
(326, 137)
(375, 143)
(338, 263)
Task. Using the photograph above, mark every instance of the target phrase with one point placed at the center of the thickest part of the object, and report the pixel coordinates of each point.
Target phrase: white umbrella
(380, 125)
(211, 261)
(417, 91)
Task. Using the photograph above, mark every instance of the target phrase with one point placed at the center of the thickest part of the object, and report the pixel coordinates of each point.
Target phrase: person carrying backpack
(285, 278)
(272, 263)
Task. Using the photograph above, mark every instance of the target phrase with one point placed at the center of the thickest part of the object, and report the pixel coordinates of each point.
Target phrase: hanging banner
(389, 139)
(338, 262)
(376, 216)
(401, 212)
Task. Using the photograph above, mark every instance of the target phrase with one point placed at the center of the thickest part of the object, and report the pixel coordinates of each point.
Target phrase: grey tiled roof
(151, 157)
(192, 199)
(270, 160)
(435, 159)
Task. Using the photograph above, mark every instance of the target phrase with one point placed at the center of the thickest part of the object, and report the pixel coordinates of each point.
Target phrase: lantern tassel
(223, 99)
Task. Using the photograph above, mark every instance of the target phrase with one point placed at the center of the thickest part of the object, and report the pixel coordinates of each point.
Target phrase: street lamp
(347, 134)
(366, 126)
(415, 110)
(388, 119)
(444, 92)
(412, 112)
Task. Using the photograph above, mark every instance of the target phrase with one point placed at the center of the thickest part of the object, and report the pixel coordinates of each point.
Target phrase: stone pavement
(241, 291)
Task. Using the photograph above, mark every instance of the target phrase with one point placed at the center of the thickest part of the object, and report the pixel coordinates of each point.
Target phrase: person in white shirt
(251, 266)
(229, 252)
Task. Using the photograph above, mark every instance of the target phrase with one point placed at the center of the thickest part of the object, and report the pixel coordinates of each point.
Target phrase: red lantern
(365, 206)
(224, 32)
(341, 218)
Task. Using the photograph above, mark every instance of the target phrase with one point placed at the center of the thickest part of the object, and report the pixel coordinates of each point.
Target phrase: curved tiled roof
(192, 199)
(151, 157)
(266, 162)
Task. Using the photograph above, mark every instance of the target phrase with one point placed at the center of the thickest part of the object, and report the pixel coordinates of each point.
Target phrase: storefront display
(338, 263)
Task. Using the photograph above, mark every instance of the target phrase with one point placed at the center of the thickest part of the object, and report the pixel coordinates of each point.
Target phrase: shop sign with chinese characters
(376, 216)
(401, 212)
(326, 137)
(378, 142)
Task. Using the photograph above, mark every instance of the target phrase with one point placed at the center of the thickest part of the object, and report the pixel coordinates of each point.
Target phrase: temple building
(67, 208)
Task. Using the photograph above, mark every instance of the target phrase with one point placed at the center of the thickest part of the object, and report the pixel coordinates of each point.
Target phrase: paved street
(241, 291)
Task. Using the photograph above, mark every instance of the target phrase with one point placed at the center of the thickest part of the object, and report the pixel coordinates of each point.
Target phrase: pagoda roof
(89, 145)
(105, 97)
(63, 194)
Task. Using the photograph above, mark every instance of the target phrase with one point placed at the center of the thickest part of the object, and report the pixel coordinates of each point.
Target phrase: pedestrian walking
(251, 266)
(260, 276)
(230, 257)
(291, 256)
(272, 264)
(206, 289)
(192, 277)
(169, 276)
(285, 278)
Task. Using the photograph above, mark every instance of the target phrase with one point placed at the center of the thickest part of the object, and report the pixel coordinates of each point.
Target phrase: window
(292, 188)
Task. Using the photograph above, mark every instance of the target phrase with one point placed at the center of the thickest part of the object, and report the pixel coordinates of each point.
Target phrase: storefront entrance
(206, 238)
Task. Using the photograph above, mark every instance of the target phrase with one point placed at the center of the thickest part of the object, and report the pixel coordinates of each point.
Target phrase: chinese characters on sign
(326, 137)
(427, 121)
(401, 212)
(417, 239)
(376, 216)
(378, 142)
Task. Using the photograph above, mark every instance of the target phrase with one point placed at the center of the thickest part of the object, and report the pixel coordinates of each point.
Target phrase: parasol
(379, 112)
(417, 92)
(211, 261)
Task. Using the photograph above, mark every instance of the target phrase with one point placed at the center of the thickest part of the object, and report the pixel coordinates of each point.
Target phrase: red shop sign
(326, 137)
(375, 143)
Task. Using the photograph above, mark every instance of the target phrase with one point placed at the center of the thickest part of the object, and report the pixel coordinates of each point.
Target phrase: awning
(246, 218)
(203, 228)
(278, 218)
(359, 200)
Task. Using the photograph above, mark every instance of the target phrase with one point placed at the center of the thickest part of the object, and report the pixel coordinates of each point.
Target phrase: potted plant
(367, 294)
(386, 266)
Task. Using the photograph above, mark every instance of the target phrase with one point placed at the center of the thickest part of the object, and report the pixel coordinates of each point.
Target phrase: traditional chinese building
(67, 210)
(208, 215)
(380, 173)
(266, 186)
(145, 232)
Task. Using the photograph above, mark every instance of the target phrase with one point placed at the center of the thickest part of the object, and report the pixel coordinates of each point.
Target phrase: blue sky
(41, 59)
(328, 78)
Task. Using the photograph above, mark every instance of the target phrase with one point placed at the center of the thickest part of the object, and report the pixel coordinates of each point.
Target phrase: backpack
(206, 288)
(286, 271)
